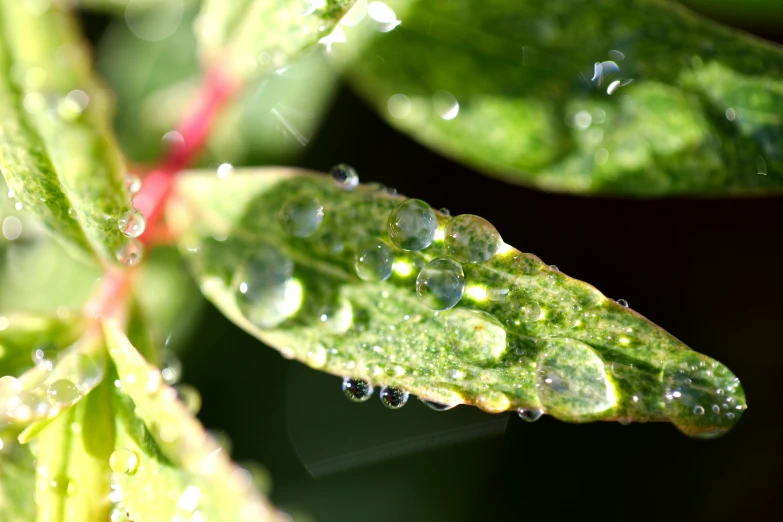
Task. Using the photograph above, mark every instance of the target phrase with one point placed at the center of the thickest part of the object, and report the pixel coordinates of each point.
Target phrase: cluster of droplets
(358, 390)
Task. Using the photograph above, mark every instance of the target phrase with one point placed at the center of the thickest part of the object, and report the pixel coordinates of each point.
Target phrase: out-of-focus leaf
(138, 6)
(247, 38)
(179, 469)
(636, 97)
(755, 13)
(56, 150)
(155, 82)
(17, 482)
(522, 336)
(72, 461)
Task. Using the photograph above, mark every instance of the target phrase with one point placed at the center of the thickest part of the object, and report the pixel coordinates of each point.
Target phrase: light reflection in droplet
(384, 15)
(445, 104)
(154, 22)
(731, 114)
(399, 106)
(12, 228)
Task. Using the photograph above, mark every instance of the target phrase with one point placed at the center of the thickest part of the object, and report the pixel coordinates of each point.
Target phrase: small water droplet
(172, 368)
(302, 216)
(357, 390)
(266, 292)
(189, 396)
(437, 406)
(344, 176)
(623, 303)
(393, 398)
(132, 184)
(412, 225)
(441, 284)
(130, 253)
(530, 415)
(374, 261)
(44, 356)
(471, 239)
(225, 170)
(497, 294)
(62, 392)
(132, 224)
(124, 461)
(12, 228)
(698, 410)
(554, 267)
(62, 485)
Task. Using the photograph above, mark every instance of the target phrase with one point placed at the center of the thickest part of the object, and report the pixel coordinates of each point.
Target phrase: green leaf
(177, 469)
(17, 482)
(72, 461)
(522, 336)
(56, 150)
(681, 105)
(245, 38)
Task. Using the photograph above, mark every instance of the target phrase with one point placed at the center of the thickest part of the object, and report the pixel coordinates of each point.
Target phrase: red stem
(193, 129)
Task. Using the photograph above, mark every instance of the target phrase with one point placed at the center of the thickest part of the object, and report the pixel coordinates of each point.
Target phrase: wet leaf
(17, 482)
(56, 150)
(179, 469)
(620, 97)
(247, 38)
(280, 251)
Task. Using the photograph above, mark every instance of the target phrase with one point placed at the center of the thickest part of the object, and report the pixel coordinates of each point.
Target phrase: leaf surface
(639, 97)
(522, 335)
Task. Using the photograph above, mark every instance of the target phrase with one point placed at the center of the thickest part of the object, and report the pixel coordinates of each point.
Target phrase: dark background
(705, 269)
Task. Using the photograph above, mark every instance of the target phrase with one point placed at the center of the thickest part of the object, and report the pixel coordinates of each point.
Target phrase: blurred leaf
(56, 151)
(120, 6)
(180, 469)
(156, 81)
(522, 336)
(17, 482)
(756, 13)
(72, 461)
(621, 97)
(246, 38)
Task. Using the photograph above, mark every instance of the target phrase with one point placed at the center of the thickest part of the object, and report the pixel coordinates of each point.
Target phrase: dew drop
(374, 261)
(393, 398)
(623, 303)
(132, 224)
(124, 461)
(266, 292)
(62, 485)
(441, 283)
(698, 410)
(133, 184)
(172, 368)
(437, 406)
(62, 392)
(471, 239)
(302, 216)
(130, 253)
(357, 390)
(225, 170)
(530, 415)
(554, 267)
(27, 406)
(474, 336)
(344, 176)
(412, 225)
(44, 356)
(189, 397)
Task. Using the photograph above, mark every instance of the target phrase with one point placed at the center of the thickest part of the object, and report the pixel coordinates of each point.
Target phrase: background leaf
(680, 106)
(523, 335)
(17, 481)
(56, 151)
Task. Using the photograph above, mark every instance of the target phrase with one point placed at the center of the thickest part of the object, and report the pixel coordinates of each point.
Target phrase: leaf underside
(523, 335)
(622, 97)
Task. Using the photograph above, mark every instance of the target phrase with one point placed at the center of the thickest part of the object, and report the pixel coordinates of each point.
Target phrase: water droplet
(412, 225)
(374, 261)
(225, 170)
(571, 380)
(130, 253)
(124, 461)
(441, 283)
(530, 415)
(44, 356)
(698, 410)
(445, 104)
(133, 184)
(497, 294)
(474, 336)
(27, 406)
(189, 397)
(393, 398)
(471, 239)
(266, 292)
(554, 267)
(62, 485)
(357, 390)
(302, 216)
(132, 224)
(344, 176)
(172, 368)
(62, 392)
(438, 406)
(12, 228)
(399, 106)
(623, 303)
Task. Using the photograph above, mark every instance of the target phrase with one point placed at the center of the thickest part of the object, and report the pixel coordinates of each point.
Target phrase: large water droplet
(130, 253)
(302, 216)
(471, 239)
(529, 415)
(571, 380)
(474, 336)
(441, 283)
(357, 390)
(412, 225)
(344, 176)
(62, 392)
(132, 224)
(124, 461)
(374, 261)
(393, 398)
(266, 292)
